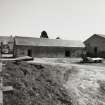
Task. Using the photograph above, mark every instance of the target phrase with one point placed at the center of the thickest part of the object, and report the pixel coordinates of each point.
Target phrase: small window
(30, 52)
(67, 53)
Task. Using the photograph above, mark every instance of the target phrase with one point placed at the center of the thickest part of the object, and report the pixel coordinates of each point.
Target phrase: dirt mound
(33, 85)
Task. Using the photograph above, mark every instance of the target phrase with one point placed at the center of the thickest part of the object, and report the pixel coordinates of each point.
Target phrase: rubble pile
(33, 85)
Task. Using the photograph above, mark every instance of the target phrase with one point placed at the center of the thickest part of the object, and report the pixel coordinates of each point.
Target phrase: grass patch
(34, 85)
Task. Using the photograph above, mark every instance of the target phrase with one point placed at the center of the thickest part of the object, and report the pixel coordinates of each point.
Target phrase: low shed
(44, 47)
(95, 45)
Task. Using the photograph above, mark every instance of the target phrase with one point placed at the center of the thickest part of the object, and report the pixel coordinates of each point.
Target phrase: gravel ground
(86, 86)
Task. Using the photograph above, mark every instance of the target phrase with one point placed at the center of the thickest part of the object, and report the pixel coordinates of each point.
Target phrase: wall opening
(95, 51)
(67, 53)
(29, 53)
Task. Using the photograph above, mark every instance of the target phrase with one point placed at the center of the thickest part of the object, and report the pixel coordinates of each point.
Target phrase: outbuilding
(45, 47)
(95, 45)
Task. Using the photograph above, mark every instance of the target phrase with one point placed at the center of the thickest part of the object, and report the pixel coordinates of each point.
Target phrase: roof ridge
(102, 35)
(47, 42)
(47, 38)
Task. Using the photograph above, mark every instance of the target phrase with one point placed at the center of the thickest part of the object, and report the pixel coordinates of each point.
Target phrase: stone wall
(47, 51)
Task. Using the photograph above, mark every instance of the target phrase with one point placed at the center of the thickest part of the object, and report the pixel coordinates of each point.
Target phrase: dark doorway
(95, 51)
(67, 53)
(30, 52)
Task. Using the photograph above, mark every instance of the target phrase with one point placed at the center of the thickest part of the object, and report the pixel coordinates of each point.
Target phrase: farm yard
(87, 85)
(85, 82)
(56, 81)
(52, 52)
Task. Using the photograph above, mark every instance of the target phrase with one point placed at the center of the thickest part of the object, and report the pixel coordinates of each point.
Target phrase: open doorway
(67, 53)
(95, 51)
(29, 53)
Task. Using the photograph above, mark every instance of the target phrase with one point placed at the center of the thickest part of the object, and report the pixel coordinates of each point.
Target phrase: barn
(45, 47)
(95, 45)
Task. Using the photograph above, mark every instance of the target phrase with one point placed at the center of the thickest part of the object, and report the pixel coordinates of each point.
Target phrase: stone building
(44, 47)
(95, 45)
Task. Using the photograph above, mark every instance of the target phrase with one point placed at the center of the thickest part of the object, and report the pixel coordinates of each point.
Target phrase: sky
(67, 19)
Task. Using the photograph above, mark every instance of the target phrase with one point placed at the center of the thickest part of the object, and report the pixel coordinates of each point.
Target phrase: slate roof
(31, 41)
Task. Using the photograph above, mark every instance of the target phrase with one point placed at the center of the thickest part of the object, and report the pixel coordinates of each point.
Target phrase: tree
(44, 34)
(57, 37)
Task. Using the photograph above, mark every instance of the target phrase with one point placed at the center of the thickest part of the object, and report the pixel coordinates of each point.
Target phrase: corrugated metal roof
(31, 41)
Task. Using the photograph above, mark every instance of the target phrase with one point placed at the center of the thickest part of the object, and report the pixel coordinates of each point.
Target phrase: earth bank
(35, 84)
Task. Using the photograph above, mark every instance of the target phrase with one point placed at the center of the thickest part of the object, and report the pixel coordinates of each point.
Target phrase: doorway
(67, 53)
(95, 51)
(30, 52)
